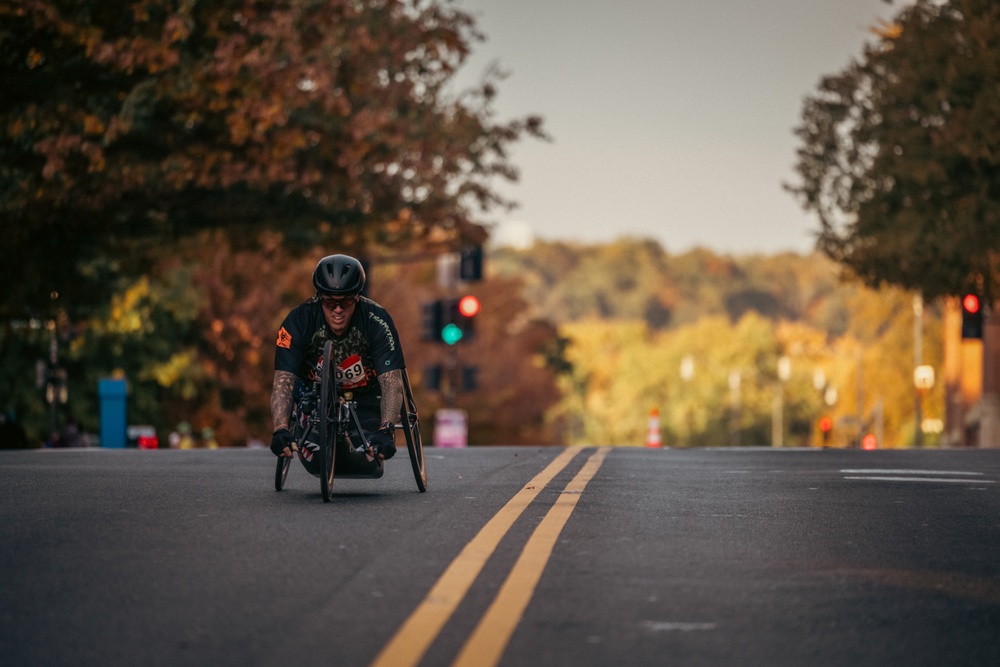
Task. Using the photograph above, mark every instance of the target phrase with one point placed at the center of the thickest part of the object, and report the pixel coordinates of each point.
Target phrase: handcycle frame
(331, 419)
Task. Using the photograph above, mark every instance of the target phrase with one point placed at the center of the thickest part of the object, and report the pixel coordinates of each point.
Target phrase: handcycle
(333, 416)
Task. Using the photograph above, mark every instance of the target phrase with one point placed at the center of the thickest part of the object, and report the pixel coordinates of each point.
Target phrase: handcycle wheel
(411, 429)
(281, 472)
(328, 422)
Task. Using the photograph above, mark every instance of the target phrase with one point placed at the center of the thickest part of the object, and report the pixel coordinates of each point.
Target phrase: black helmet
(339, 274)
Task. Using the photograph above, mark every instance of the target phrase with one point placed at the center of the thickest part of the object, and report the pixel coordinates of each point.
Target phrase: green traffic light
(451, 334)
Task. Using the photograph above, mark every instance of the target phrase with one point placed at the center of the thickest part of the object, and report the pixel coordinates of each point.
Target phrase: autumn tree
(637, 279)
(900, 153)
(124, 128)
(733, 316)
(516, 356)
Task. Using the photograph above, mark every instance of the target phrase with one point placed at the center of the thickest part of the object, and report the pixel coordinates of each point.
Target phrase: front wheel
(328, 422)
(281, 472)
(411, 429)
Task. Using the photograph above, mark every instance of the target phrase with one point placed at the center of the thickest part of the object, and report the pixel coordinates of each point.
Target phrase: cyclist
(369, 366)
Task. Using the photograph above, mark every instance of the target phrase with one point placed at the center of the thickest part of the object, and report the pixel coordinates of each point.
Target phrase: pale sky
(670, 119)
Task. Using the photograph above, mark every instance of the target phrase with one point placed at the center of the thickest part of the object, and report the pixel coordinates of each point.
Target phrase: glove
(282, 438)
(383, 442)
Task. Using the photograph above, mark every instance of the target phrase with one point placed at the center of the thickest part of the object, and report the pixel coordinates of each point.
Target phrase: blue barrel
(111, 392)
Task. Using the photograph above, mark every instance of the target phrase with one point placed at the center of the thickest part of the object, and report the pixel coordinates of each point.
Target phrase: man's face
(338, 311)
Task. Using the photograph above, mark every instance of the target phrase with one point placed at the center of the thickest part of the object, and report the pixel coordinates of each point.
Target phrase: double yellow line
(488, 640)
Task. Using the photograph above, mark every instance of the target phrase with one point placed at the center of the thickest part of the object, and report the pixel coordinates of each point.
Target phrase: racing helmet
(339, 274)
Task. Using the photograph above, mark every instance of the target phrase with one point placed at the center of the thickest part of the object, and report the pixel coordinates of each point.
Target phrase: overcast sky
(670, 119)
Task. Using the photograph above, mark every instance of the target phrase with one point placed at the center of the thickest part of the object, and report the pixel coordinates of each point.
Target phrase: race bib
(351, 373)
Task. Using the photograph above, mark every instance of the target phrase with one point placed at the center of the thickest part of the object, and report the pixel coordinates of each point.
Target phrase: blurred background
(728, 225)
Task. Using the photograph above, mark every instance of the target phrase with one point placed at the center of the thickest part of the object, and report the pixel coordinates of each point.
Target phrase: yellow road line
(419, 631)
(488, 641)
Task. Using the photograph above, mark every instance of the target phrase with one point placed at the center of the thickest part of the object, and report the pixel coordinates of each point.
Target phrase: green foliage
(23, 344)
(147, 335)
(900, 155)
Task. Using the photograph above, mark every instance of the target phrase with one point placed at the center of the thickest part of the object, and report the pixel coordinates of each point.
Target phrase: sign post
(451, 428)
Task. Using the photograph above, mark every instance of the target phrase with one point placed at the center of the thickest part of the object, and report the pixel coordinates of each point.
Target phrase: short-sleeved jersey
(369, 347)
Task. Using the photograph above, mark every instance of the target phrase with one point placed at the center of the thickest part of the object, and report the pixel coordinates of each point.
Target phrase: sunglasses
(342, 304)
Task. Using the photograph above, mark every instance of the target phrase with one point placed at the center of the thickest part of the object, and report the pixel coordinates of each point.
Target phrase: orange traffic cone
(653, 430)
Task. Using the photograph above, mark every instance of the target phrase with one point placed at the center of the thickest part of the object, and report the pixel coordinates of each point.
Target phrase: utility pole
(918, 361)
(860, 398)
(778, 403)
(734, 424)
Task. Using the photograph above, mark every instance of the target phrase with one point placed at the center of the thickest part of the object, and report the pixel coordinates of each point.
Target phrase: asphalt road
(623, 556)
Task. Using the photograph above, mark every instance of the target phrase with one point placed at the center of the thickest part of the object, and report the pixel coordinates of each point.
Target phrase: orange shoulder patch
(284, 338)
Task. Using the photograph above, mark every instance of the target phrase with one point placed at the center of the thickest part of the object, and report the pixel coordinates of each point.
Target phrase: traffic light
(972, 316)
(435, 378)
(432, 377)
(470, 381)
(432, 320)
(458, 317)
(471, 263)
(468, 308)
(451, 333)
(450, 320)
(825, 427)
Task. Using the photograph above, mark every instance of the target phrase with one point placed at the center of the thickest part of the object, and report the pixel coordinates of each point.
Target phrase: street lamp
(819, 379)
(830, 396)
(784, 369)
(687, 368)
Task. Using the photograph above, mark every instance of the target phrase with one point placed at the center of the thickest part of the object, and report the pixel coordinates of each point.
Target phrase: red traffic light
(468, 305)
(825, 424)
(970, 303)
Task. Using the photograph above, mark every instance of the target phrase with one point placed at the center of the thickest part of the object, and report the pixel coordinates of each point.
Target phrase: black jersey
(368, 348)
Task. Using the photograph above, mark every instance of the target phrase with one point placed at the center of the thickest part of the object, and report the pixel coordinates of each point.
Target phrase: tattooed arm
(281, 399)
(392, 395)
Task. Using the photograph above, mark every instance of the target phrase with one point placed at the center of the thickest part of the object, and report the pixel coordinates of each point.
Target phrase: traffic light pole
(448, 273)
(450, 377)
(52, 389)
(450, 320)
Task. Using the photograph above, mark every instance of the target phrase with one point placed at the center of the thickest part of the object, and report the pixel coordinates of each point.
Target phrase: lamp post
(918, 361)
(735, 379)
(687, 374)
(923, 380)
(778, 404)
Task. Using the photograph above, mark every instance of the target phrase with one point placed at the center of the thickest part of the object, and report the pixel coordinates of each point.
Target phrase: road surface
(514, 556)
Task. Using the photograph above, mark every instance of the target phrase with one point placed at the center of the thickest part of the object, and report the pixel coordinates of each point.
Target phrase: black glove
(282, 438)
(383, 442)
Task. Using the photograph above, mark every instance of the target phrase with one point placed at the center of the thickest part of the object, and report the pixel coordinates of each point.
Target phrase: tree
(900, 154)
(517, 357)
(124, 129)
(729, 315)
